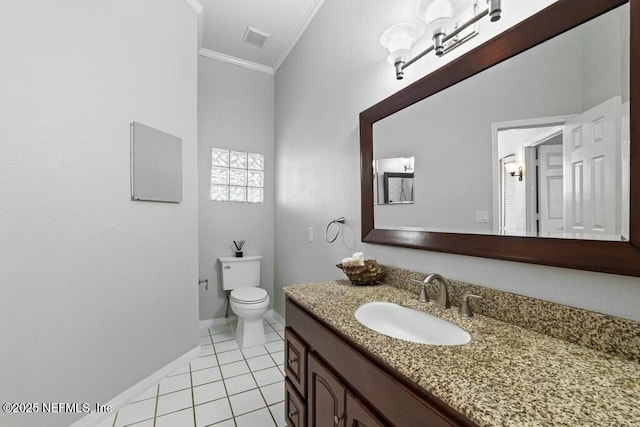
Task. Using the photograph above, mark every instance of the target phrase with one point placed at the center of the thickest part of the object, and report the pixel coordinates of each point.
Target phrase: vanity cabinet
(331, 404)
(332, 381)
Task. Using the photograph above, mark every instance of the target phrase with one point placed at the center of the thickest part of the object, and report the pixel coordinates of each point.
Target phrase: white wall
(235, 111)
(337, 70)
(97, 292)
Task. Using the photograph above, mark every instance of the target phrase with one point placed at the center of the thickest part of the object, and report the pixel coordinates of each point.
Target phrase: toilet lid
(249, 295)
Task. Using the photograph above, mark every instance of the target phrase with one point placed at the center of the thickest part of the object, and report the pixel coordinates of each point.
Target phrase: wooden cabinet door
(326, 400)
(359, 416)
(295, 410)
(295, 353)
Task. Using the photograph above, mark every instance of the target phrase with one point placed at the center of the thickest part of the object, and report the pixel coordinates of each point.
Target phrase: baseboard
(274, 315)
(207, 323)
(132, 392)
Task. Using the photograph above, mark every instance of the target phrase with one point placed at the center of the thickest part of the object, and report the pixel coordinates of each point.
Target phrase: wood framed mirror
(617, 257)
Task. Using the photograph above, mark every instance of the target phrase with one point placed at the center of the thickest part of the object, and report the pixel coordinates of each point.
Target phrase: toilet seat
(252, 295)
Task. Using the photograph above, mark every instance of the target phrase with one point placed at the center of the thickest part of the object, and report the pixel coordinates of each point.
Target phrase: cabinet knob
(292, 414)
(293, 360)
(337, 419)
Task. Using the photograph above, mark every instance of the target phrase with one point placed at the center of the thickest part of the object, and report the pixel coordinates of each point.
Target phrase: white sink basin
(408, 324)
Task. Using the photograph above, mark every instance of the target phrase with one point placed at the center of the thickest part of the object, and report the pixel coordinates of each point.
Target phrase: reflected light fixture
(514, 169)
(441, 25)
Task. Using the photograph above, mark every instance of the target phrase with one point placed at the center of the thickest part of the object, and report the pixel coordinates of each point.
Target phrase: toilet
(248, 300)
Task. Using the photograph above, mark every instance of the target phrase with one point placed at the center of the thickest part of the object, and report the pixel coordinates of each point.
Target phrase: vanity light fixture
(442, 27)
(514, 169)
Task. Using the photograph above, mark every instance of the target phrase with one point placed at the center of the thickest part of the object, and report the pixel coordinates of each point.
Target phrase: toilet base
(250, 333)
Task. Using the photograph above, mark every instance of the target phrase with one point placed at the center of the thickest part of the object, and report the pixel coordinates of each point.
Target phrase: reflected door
(551, 188)
(592, 186)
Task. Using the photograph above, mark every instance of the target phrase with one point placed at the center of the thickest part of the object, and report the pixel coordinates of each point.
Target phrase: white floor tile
(246, 402)
(277, 411)
(277, 327)
(206, 350)
(213, 412)
(149, 393)
(204, 332)
(205, 340)
(148, 423)
(175, 383)
(183, 370)
(268, 376)
(260, 418)
(225, 336)
(226, 346)
(204, 362)
(281, 333)
(218, 329)
(278, 357)
(281, 368)
(208, 392)
(274, 346)
(258, 350)
(272, 336)
(268, 328)
(135, 412)
(182, 418)
(174, 402)
(234, 369)
(204, 376)
(230, 356)
(260, 362)
(240, 383)
(273, 393)
(228, 423)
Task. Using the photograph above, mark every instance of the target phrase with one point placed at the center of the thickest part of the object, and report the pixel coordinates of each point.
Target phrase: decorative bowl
(365, 275)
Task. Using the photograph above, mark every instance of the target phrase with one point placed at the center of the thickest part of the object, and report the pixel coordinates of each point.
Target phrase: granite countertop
(506, 375)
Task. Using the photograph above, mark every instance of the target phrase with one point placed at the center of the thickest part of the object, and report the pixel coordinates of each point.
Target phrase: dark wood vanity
(332, 381)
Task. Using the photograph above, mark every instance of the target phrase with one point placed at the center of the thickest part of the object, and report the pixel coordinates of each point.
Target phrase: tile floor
(226, 386)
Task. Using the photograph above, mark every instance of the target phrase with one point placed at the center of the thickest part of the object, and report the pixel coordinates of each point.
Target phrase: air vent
(255, 37)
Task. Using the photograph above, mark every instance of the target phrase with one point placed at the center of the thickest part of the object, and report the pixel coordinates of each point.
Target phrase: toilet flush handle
(227, 267)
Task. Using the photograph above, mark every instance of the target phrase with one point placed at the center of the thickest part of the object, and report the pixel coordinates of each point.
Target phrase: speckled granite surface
(506, 376)
(587, 328)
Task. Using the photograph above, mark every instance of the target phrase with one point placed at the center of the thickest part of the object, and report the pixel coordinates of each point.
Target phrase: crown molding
(212, 54)
(299, 31)
(195, 5)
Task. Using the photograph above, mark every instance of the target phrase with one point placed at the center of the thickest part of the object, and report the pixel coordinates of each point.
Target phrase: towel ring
(340, 220)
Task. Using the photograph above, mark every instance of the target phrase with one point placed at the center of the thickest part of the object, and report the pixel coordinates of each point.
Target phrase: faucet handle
(423, 291)
(465, 308)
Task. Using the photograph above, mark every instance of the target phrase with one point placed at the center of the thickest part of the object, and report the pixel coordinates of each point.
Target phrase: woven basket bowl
(367, 275)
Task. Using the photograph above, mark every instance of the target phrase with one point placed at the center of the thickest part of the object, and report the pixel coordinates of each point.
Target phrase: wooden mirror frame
(593, 255)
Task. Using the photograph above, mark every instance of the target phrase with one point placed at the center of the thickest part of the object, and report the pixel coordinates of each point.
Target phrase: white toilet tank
(240, 272)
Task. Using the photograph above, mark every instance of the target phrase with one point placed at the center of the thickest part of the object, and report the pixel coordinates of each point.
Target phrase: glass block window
(236, 176)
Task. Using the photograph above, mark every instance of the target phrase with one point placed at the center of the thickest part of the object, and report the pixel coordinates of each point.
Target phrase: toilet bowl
(241, 278)
(250, 305)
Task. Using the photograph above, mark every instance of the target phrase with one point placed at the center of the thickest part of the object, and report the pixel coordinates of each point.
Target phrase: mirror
(511, 138)
(573, 85)
(393, 181)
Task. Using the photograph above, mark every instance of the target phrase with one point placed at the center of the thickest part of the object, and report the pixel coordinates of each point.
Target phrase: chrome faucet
(443, 295)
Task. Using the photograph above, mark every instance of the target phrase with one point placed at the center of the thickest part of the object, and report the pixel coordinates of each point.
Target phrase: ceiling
(225, 22)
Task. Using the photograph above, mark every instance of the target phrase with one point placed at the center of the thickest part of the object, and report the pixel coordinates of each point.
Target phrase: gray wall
(336, 70)
(97, 292)
(235, 111)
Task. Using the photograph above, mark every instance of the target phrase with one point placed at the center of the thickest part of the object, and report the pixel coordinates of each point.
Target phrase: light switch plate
(482, 217)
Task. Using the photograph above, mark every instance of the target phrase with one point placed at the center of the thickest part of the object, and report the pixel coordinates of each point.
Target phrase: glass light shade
(440, 15)
(511, 167)
(398, 41)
